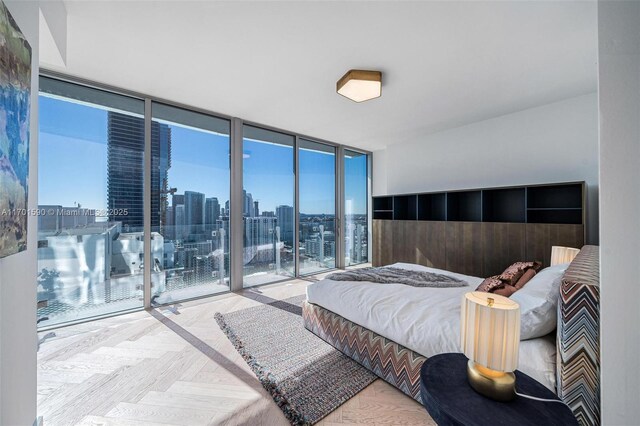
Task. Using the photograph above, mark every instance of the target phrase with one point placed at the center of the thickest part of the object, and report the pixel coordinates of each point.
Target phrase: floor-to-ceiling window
(268, 206)
(355, 208)
(317, 217)
(190, 185)
(90, 202)
(94, 203)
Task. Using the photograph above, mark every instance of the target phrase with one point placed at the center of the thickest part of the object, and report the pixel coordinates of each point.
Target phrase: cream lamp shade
(561, 255)
(490, 330)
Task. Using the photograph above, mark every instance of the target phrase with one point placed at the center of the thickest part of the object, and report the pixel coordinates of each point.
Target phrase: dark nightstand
(451, 401)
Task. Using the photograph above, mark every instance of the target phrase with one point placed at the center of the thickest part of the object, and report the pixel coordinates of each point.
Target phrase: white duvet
(425, 320)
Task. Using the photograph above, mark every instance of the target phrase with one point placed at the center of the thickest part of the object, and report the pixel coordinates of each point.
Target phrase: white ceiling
(444, 64)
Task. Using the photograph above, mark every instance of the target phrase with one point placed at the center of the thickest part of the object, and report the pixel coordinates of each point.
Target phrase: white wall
(553, 143)
(619, 93)
(18, 272)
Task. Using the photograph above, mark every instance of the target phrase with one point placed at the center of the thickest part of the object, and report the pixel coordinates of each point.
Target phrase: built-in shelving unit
(478, 232)
(552, 203)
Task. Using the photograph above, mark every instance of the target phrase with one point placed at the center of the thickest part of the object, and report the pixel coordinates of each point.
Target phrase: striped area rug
(306, 377)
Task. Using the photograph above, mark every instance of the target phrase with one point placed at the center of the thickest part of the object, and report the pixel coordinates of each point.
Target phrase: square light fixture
(360, 85)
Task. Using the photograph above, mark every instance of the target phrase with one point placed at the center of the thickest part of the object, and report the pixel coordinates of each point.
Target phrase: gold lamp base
(493, 384)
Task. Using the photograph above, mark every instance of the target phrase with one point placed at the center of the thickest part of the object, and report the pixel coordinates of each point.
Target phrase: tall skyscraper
(359, 246)
(194, 213)
(247, 205)
(256, 209)
(160, 165)
(284, 215)
(125, 169)
(169, 228)
(211, 215)
(259, 230)
(171, 232)
(179, 222)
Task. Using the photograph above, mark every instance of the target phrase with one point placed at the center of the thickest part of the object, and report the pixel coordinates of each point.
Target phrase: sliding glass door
(90, 202)
(317, 216)
(355, 208)
(190, 186)
(268, 206)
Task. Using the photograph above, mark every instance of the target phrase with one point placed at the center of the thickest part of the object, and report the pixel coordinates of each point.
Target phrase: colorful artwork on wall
(15, 96)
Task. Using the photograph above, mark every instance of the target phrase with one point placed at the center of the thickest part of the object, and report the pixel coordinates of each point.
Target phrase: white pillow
(537, 359)
(538, 301)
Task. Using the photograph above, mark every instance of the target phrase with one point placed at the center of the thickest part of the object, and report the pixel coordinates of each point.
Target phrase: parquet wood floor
(174, 366)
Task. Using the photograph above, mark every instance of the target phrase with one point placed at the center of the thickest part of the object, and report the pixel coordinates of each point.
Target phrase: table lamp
(490, 337)
(562, 254)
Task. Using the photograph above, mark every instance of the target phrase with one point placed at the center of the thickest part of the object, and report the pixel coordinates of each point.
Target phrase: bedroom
(194, 176)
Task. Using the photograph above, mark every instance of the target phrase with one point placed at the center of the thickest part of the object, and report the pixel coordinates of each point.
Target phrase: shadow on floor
(266, 300)
(203, 347)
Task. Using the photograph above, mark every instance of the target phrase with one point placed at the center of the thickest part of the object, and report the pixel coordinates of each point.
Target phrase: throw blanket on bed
(390, 275)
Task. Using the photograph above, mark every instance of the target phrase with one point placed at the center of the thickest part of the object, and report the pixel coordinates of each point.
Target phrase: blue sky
(73, 165)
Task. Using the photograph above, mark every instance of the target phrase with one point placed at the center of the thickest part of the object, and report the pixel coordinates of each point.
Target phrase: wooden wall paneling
(430, 244)
(541, 236)
(404, 241)
(464, 248)
(382, 242)
(502, 245)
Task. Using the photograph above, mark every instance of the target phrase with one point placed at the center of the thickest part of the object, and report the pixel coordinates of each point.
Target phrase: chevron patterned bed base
(390, 361)
(578, 363)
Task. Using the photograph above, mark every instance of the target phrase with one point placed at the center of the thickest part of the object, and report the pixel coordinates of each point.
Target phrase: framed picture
(15, 97)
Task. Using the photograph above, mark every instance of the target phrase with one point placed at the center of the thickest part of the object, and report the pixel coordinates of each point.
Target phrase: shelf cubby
(384, 215)
(555, 196)
(504, 205)
(432, 206)
(559, 216)
(404, 207)
(464, 206)
(383, 203)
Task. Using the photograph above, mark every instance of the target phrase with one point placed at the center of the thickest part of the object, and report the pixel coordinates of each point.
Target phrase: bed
(391, 330)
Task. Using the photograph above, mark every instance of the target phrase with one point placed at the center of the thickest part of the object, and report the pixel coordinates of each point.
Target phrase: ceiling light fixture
(360, 85)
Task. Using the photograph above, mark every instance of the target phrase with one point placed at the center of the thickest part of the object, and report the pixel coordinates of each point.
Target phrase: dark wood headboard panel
(481, 249)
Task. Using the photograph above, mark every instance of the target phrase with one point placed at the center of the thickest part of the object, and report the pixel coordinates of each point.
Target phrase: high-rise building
(256, 209)
(359, 243)
(211, 215)
(284, 215)
(247, 204)
(194, 214)
(125, 170)
(160, 165)
(179, 222)
(259, 230)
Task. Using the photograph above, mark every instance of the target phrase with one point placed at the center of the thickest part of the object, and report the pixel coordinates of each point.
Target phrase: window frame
(236, 182)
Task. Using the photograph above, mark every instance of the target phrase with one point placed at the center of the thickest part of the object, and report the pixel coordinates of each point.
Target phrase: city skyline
(72, 133)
